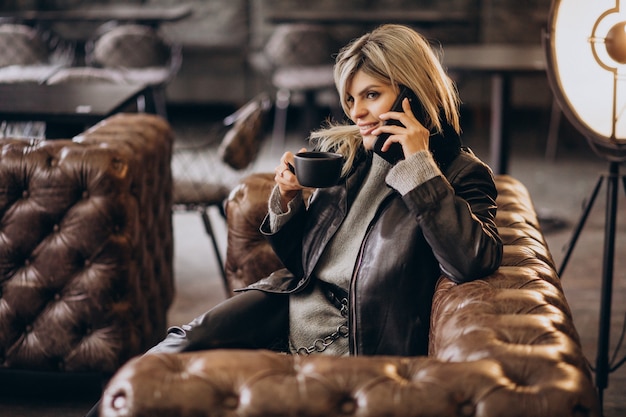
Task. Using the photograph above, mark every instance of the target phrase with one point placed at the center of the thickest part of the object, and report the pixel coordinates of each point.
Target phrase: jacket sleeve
(286, 240)
(457, 217)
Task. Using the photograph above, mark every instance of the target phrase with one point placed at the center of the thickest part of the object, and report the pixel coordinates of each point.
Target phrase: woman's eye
(372, 95)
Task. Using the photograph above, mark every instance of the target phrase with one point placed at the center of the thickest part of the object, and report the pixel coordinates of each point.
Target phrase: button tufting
(25, 194)
(57, 296)
(27, 262)
(230, 402)
(28, 328)
(117, 164)
(118, 402)
(347, 407)
(85, 194)
(466, 409)
(56, 228)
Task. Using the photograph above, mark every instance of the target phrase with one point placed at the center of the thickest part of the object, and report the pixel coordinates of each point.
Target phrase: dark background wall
(221, 35)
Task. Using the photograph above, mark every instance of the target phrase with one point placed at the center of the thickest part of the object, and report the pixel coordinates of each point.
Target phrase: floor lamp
(585, 45)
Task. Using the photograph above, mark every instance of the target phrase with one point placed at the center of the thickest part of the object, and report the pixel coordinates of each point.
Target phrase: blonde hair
(396, 55)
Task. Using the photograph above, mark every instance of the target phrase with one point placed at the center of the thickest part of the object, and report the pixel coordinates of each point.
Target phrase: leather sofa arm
(248, 255)
(86, 267)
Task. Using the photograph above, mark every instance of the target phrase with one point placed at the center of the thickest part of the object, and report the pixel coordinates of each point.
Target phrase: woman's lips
(367, 129)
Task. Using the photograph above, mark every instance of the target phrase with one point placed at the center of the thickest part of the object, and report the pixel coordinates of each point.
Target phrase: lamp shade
(585, 48)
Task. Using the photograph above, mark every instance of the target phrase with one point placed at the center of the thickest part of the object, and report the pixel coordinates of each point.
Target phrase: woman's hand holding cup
(306, 169)
(285, 177)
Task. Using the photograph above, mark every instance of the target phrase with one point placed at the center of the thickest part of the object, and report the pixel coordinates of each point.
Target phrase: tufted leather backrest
(504, 345)
(86, 246)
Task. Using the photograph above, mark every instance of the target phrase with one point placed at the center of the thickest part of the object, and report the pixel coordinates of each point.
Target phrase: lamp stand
(603, 366)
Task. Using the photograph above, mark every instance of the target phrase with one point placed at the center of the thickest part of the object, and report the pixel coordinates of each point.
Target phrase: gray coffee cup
(318, 169)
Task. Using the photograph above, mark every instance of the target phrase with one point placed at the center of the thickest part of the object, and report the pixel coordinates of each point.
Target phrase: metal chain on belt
(320, 345)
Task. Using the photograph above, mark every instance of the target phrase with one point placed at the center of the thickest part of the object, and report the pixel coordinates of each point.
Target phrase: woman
(362, 258)
(381, 239)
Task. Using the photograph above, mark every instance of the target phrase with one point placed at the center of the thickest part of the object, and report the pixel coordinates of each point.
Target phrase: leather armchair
(504, 345)
(86, 253)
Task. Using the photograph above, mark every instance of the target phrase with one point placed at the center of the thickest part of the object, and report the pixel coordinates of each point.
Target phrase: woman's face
(367, 98)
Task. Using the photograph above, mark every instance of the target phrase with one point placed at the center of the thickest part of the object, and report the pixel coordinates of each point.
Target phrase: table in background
(65, 106)
(502, 62)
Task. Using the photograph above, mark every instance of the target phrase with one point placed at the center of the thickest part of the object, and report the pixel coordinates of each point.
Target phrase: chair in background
(298, 59)
(28, 55)
(205, 171)
(141, 54)
(21, 45)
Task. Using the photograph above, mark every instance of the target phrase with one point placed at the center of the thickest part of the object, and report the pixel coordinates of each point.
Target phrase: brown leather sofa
(86, 247)
(502, 346)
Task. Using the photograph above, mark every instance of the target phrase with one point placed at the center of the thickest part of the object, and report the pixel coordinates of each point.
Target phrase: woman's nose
(357, 110)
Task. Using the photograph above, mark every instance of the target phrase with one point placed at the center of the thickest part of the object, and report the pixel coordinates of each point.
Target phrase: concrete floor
(558, 187)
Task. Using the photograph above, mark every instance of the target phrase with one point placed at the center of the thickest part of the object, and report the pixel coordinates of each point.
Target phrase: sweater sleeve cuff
(277, 216)
(412, 172)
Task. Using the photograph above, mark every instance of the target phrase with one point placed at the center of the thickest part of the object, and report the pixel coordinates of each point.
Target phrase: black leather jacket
(445, 225)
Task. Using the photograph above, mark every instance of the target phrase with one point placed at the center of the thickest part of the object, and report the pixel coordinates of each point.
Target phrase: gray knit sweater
(311, 315)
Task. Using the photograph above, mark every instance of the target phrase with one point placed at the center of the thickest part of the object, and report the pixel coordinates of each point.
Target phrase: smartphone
(395, 153)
